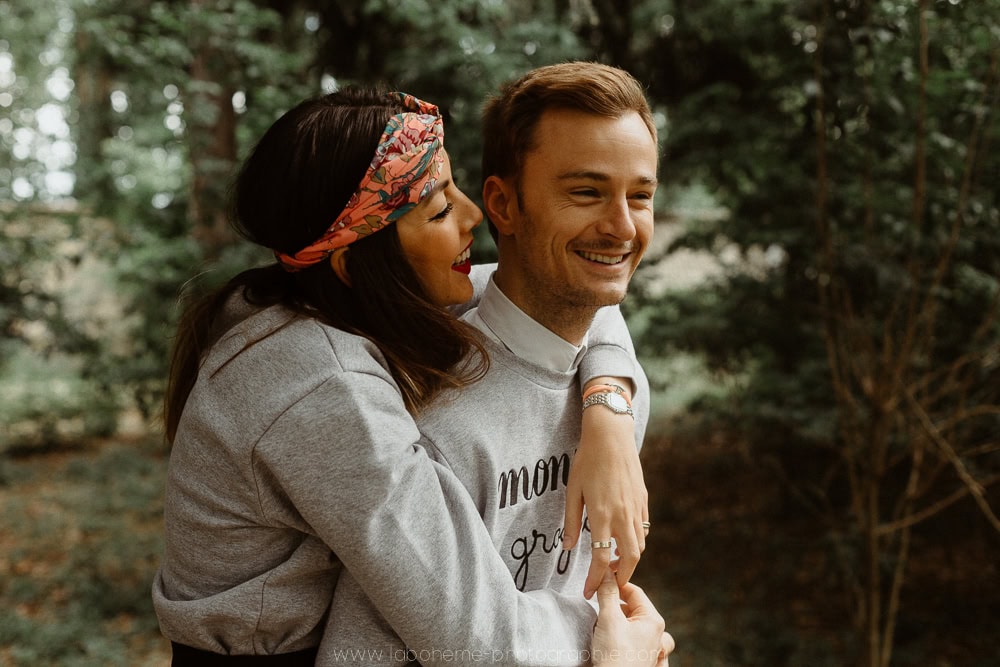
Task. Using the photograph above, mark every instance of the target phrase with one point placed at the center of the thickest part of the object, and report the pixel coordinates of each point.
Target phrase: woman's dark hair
(296, 181)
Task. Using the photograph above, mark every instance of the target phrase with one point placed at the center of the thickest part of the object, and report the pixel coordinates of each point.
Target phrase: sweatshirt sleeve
(610, 350)
(346, 458)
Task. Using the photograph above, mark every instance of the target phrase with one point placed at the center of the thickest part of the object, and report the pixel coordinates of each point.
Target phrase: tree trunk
(211, 136)
(92, 76)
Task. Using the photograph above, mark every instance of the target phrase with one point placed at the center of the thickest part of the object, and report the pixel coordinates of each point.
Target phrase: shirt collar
(501, 320)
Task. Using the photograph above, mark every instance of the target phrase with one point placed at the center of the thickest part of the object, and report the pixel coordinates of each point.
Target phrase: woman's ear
(338, 260)
(500, 202)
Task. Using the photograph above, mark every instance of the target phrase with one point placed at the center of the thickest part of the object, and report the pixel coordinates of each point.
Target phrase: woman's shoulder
(276, 336)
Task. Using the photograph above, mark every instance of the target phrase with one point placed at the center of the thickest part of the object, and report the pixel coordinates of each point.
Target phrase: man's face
(586, 209)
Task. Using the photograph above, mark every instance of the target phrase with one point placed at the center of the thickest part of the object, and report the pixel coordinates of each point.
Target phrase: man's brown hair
(510, 116)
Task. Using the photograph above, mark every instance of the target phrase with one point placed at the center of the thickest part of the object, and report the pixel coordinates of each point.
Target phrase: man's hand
(606, 477)
(629, 630)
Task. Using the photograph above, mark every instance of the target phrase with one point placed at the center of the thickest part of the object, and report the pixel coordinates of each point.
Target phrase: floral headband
(406, 166)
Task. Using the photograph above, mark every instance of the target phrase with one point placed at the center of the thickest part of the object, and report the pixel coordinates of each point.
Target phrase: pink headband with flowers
(406, 166)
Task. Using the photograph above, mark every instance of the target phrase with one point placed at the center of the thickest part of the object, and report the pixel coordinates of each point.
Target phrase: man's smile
(603, 259)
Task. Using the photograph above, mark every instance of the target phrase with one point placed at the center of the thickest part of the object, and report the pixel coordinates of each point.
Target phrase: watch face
(616, 402)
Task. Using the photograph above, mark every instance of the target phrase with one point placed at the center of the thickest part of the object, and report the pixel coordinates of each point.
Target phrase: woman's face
(436, 237)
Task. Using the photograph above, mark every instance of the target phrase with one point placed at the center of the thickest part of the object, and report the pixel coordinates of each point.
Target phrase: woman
(291, 393)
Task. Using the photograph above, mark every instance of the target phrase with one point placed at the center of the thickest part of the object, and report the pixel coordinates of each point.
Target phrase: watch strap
(603, 398)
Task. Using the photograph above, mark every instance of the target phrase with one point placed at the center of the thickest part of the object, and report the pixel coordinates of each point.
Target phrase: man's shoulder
(511, 387)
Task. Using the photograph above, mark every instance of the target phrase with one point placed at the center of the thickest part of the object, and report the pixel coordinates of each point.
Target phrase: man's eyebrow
(583, 174)
(601, 176)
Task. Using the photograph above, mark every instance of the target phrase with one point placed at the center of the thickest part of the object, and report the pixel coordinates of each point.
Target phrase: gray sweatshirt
(296, 461)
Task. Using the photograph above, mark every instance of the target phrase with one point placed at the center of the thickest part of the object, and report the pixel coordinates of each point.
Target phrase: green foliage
(751, 139)
(47, 402)
(87, 317)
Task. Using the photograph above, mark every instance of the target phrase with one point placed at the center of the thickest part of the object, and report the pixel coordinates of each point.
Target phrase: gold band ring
(597, 544)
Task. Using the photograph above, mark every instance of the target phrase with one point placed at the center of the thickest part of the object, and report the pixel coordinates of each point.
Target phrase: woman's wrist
(609, 393)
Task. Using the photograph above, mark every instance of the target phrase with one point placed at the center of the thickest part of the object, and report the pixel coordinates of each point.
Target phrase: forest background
(818, 317)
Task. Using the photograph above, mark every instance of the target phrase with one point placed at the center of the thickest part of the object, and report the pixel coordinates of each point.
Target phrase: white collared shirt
(502, 321)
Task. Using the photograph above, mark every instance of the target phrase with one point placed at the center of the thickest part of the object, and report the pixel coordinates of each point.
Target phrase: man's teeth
(464, 257)
(603, 259)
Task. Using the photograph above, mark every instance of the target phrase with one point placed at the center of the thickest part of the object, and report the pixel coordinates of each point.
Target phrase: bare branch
(985, 448)
(974, 487)
(944, 377)
(929, 511)
(962, 414)
(898, 576)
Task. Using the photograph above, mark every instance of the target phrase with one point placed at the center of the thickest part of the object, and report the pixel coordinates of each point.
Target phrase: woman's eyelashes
(444, 212)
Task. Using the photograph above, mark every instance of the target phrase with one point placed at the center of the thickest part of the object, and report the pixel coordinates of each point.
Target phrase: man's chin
(607, 298)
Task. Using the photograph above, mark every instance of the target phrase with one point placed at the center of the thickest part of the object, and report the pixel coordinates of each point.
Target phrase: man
(569, 163)
(570, 172)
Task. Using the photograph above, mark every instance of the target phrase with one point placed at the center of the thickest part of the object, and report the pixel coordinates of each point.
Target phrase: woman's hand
(606, 477)
(629, 630)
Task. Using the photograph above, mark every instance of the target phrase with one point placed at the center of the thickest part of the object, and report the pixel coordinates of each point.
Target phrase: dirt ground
(744, 578)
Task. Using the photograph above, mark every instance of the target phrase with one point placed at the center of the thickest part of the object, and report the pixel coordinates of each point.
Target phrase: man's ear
(500, 202)
(338, 260)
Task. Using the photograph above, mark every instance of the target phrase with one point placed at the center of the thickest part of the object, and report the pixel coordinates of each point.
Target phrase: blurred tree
(94, 71)
(210, 118)
(853, 144)
(34, 81)
(34, 151)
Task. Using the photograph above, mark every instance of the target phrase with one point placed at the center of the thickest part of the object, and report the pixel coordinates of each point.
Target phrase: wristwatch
(615, 402)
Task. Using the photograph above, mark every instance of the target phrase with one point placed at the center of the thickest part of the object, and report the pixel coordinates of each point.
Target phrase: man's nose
(617, 221)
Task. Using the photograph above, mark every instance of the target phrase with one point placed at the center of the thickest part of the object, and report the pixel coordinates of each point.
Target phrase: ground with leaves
(79, 543)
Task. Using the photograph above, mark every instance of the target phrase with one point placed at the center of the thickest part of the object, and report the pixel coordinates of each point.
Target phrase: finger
(643, 513)
(573, 521)
(640, 534)
(667, 644)
(608, 602)
(628, 548)
(637, 603)
(600, 559)
(666, 648)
